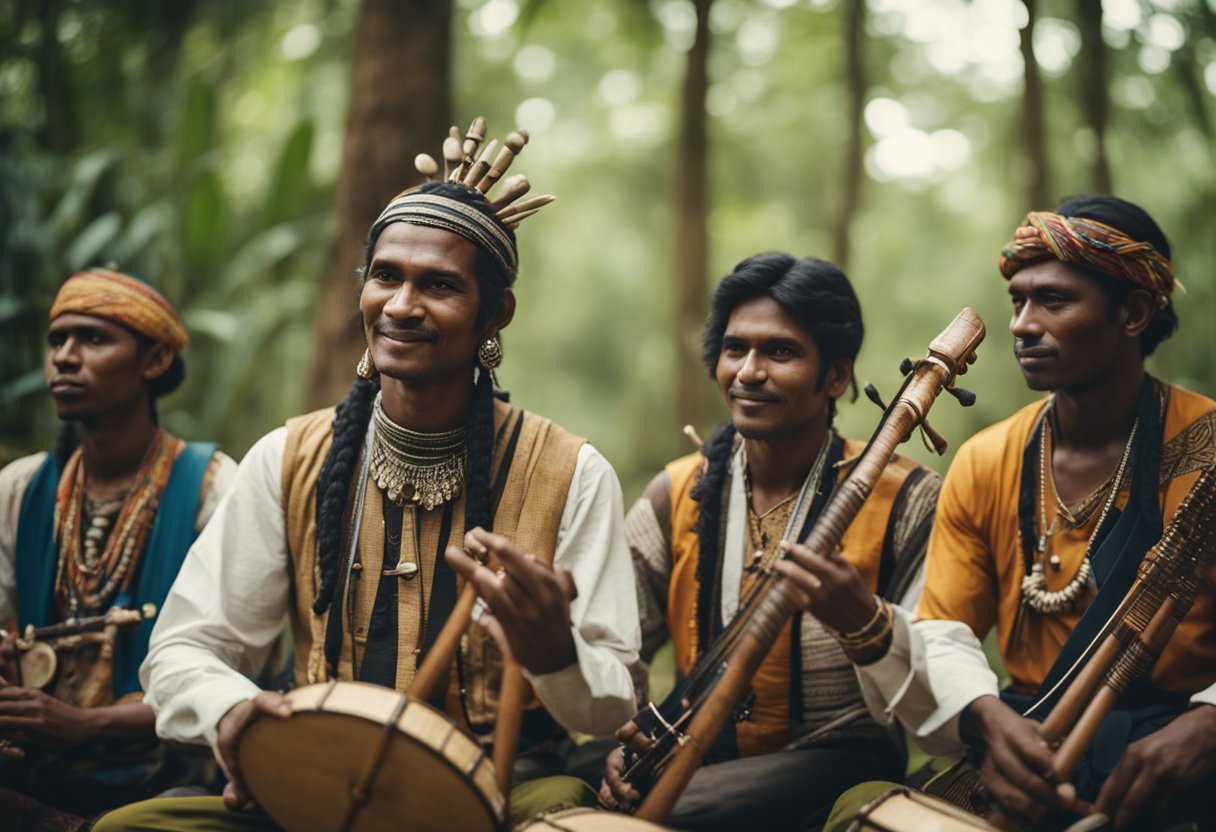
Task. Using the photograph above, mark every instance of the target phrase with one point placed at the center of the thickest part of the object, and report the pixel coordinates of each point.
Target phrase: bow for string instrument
(688, 724)
(1135, 635)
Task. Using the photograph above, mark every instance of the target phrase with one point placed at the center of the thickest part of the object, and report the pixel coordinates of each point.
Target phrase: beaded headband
(463, 166)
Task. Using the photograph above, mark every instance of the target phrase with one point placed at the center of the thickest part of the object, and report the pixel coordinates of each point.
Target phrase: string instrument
(86, 684)
(37, 664)
(1166, 584)
(356, 756)
(684, 729)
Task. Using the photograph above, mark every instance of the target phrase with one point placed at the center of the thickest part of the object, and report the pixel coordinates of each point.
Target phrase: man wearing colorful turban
(1042, 523)
(102, 523)
(341, 520)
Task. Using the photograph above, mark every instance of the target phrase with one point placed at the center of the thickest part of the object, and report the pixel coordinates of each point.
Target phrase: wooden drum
(589, 820)
(905, 810)
(360, 757)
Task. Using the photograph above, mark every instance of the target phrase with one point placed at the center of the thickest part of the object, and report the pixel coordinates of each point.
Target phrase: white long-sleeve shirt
(227, 607)
(932, 672)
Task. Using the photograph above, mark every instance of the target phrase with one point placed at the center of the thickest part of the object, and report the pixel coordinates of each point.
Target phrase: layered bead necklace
(100, 545)
(1034, 585)
(423, 468)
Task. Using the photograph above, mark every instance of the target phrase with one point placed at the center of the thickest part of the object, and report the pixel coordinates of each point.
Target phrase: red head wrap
(1088, 244)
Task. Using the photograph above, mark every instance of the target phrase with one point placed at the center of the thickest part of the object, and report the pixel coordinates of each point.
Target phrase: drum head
(302, 769)
(590, 820)
(38, 665)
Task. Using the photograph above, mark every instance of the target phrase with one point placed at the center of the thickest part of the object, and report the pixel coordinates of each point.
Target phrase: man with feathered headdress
(341, 521)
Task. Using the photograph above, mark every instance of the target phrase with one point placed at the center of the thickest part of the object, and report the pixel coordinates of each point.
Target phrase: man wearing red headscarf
(1043, 521)
(102, 523)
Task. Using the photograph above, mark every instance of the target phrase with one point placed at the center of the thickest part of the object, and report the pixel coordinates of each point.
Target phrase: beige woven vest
(529, 513)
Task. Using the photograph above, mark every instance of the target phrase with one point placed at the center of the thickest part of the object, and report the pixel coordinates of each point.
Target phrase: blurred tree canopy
(200, 144)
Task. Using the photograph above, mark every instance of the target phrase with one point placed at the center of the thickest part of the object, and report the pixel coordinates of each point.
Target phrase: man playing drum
(104, 521)
(1042, 522)
(423, 449)
(780, 341)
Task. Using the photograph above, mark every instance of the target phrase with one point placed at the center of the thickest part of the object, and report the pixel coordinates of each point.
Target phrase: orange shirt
(768, 728)
(974, 566)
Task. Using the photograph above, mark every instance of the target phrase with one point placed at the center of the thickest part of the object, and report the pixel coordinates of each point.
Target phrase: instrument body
(748, 640)
(906, 810)
(354, 756)
(588, 820)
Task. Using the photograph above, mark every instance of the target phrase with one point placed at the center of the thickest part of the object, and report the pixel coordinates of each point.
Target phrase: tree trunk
(855, 80)
(692, 233)
(399, 106)
(1034, 139)
(1094, 61)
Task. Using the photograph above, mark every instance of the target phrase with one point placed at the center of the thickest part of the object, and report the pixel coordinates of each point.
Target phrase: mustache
(754, 392)
(1033, 347)
(391, 328)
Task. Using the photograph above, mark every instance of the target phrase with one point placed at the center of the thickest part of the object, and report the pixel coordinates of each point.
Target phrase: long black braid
(338, 471)
(709, 492)
(333, 485)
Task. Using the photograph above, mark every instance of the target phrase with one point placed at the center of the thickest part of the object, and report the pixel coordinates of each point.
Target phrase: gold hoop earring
(365, 369)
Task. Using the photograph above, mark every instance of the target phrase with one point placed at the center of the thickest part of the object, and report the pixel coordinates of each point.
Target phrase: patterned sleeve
(648, 532)
(910, 524)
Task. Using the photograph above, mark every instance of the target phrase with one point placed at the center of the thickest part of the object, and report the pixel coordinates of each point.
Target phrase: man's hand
(828, 587)
(1161, 765)
(32, 717)
(8, 659)
(616, 794)
(232, 725)
(528, 600)
(1017, 766)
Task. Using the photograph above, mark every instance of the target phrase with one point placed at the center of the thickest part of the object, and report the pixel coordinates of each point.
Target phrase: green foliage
(203, 154)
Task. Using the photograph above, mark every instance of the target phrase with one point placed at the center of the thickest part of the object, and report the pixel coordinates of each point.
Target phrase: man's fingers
(273, 703)
(799, 584)
(569, 588)
(460, 560)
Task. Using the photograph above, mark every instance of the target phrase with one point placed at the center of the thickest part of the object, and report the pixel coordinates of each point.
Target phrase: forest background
(234, 153)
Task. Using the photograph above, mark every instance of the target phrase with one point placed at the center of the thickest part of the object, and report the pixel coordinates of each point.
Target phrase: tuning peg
(965, 397)
(938, 441)
(906, 366)
(873, 395)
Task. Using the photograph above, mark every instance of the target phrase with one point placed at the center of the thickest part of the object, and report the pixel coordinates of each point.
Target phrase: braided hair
(1136, 223)
(350, 420)
(820, 297)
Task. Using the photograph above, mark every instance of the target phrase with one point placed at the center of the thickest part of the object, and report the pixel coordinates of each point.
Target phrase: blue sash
(171, 537)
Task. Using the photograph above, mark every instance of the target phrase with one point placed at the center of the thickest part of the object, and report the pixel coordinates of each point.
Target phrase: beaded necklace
(89, 576)
(1034, 585)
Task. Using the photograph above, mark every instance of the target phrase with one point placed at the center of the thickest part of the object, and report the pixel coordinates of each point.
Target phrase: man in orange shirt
(1042, 523)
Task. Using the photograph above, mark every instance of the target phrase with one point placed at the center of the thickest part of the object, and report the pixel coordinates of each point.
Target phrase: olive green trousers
(188, 814)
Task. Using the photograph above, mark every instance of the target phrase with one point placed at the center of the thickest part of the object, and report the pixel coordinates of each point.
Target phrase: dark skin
(98, 374)
(1066, 342)
(769, 374)
(419, 305)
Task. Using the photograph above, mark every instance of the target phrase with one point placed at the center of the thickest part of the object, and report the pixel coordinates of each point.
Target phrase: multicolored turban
(124, 300)
(458, 217)
(1088, 244)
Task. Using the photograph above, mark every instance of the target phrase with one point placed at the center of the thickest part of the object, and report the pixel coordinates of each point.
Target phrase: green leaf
(205, 223)
(90, 247)
(291, 183)
(196, 133)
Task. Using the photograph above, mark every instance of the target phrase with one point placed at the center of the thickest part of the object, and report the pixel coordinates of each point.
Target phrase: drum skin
(589, 820)
(39, 666)
(302, 769)
(904, 810)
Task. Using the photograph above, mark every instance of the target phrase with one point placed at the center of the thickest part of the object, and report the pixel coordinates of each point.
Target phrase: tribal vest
(530, 503)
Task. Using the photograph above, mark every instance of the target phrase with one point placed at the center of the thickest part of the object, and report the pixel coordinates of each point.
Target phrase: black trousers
(788, 790)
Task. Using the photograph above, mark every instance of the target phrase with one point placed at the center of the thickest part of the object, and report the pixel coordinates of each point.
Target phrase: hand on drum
(828, 587)
(232, 724)
(616, 794)
(528, 601)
